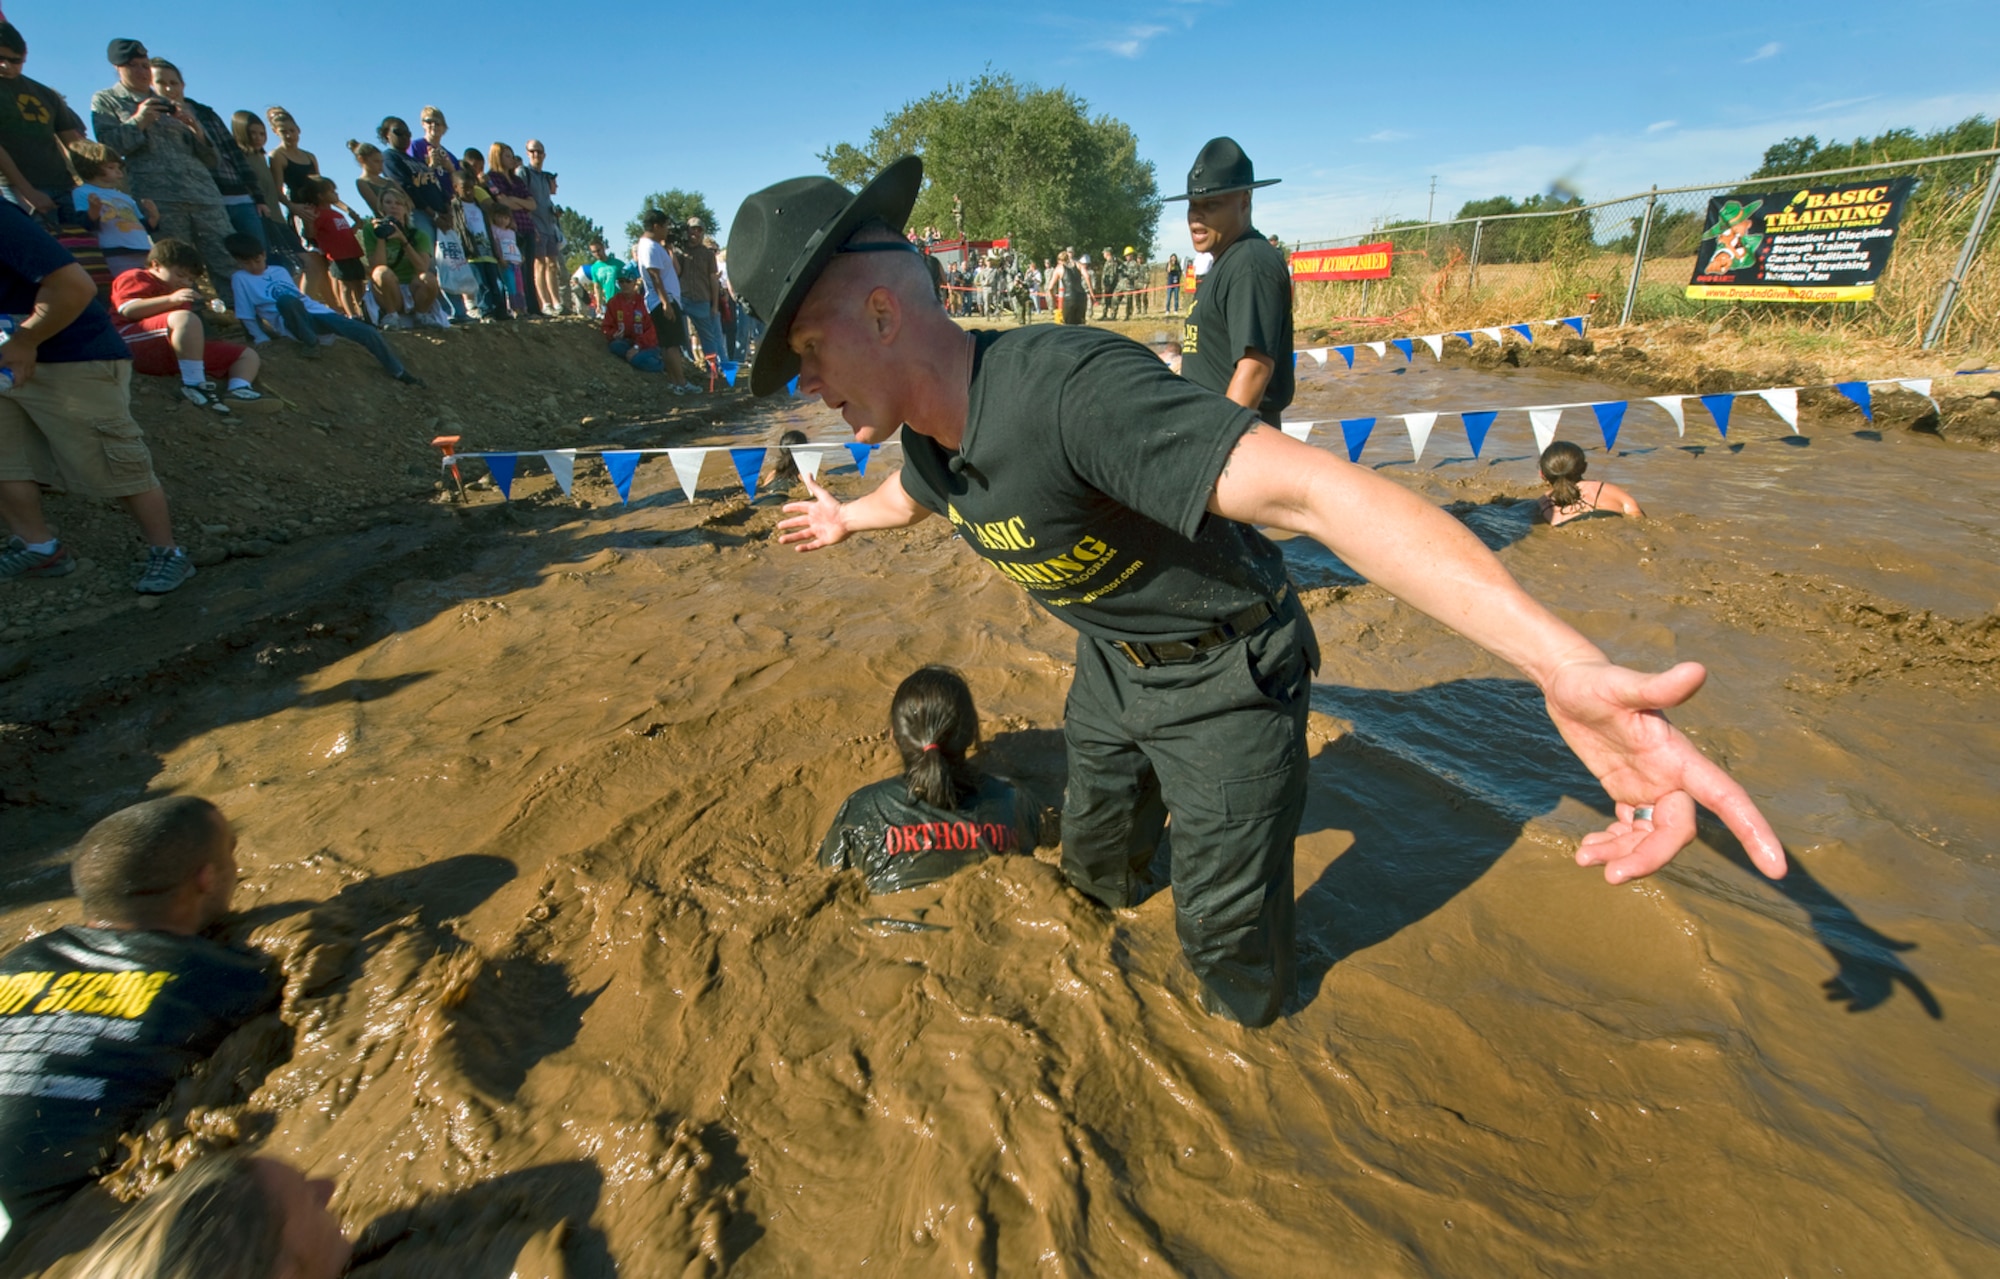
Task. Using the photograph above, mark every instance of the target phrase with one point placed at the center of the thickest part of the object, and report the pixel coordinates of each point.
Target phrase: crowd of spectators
(999, 281)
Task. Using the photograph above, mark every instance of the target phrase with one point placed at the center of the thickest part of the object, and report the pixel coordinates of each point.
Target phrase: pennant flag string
(1435, 341)
(1718, 408)
(1356, 430)
(622, 467)
(1419, 425)
(748, 463)
(1610, 415)
(562, 465)
(1407, 347)
(1476, 426)
(1858, 392)
(1544, 422)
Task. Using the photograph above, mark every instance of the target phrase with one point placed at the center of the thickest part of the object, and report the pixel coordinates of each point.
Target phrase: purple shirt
(514, 189)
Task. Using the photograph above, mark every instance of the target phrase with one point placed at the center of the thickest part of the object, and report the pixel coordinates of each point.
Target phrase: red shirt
(334, 235)
(625, 317)
(137, 284)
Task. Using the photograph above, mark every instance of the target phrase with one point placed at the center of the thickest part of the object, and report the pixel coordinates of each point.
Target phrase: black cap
(123, 51)
(783, 238)
(1221, 168)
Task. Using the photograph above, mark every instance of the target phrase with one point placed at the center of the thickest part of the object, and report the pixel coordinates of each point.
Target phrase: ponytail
(934, 724)
(1563, 465)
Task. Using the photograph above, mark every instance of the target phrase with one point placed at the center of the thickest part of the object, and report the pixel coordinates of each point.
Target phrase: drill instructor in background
(1238, 339)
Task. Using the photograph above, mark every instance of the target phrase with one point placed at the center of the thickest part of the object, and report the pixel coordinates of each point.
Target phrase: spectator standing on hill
(1237, 340)
(280, 240)
(168, 159)
(549, 265)
(511, 193)
(476, 212)
(603, 271)
(67, 421)
(97, 1020)
(297, 175)
(701, 288)
(1173, 284)
(661, 288)
(334, 236)
(36, 123)
(430, 202)
(240, 192)
(371, 184)
(1110, 279)
(159, 316)
(1075, 283)
(1133, 272)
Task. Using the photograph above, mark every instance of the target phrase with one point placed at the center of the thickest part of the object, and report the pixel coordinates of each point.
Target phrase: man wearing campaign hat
(1238, 337)
(1126, 501)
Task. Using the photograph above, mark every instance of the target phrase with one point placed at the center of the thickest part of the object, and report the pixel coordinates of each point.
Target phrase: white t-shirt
(257, 301)
(120, 227)
(652, 256)
(1198, 264)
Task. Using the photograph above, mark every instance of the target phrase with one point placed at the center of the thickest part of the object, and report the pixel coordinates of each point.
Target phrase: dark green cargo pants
(1220, 743)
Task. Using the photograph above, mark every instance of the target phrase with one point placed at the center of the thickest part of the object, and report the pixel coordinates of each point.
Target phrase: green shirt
(1245, 304)
(605, 272)
(1085, 474)
(397, 256)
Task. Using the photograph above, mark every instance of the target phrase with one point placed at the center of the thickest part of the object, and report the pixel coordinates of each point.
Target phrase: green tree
(1806, 155)
(679, 206)
(1026, 162)
(578, 231)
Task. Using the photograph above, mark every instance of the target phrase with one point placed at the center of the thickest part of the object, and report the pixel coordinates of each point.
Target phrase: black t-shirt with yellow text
(95, 1026)
(1245, 304)
(1084, 475)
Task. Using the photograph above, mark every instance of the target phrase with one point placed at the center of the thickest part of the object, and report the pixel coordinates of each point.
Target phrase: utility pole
(1430, 210)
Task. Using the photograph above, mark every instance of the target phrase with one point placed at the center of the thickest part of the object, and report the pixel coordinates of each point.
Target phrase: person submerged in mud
(1127, 501)
(1572, 497)
(783, 468)
(942, 814)
(98, 1020)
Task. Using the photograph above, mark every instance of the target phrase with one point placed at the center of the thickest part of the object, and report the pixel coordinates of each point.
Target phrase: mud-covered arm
(1610, 716)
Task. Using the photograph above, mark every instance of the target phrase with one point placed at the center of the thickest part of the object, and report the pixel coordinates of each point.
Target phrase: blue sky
(1354, 107)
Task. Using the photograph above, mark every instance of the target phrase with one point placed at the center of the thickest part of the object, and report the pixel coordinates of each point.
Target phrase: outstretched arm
(826, 519)
(1610, 716)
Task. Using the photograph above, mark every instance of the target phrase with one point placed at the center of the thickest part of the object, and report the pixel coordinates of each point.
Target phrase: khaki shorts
(70, 427)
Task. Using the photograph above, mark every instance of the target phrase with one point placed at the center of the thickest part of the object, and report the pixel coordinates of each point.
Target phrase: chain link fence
(1630, 260)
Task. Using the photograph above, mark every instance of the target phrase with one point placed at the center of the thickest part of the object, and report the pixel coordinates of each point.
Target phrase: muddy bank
(529, 797)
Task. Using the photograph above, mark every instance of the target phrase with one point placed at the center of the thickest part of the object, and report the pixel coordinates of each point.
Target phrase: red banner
(1362, 262)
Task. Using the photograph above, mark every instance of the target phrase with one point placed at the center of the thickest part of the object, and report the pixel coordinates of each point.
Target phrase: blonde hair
(215, 1219)
(496, 158)
(431, 113)
(90, 159)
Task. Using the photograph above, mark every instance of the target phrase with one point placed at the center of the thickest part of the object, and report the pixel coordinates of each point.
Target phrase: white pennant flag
(808, 460)
(1494, 333)
(1672, 404)
(1784, 401)
(1318, 353)
(687, 468)
(1297, 430)
(1436, 343)
(562, 465)
(1922, 386)
(1544, 421)
(1381, 349)
(1419, 425)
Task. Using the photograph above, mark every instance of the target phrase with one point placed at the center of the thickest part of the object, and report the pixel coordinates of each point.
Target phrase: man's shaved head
(131, 867)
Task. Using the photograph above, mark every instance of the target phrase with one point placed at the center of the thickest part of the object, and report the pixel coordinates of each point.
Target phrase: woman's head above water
(934, 724)
(1563, 465)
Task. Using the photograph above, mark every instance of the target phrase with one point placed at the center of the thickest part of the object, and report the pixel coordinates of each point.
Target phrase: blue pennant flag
(1346, 353)
(1974, 372)
(622, 467)
(1406, 346)
(748, 463)
(729, 373)
(1718, 408)
(1524, 331)
(501, 467)
(1610, 415)
(1356, 430)
(1476, 425)
(1466, 334)
(792, 387)
(861, 453)
(1295, 363)
(1575, 322)
(1858, 392)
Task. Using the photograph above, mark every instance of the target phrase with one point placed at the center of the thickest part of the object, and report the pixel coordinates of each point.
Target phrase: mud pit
(529, 815)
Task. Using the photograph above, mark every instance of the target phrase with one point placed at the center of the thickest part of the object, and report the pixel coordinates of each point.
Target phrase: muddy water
(539, 864)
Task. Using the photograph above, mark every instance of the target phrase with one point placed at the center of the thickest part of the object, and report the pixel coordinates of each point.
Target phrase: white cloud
(1767, 51)
(1132, 41)
(1661, 126)
(1387, 135)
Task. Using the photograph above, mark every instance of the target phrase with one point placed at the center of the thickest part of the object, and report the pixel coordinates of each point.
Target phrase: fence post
(1639, 257)
(1965, 255)
(1472, 279)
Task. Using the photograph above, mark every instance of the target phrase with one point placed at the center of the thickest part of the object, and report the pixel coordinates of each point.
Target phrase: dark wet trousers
(1220, 743)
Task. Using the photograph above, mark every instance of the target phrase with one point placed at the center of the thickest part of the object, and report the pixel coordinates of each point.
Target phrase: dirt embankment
(334, 448)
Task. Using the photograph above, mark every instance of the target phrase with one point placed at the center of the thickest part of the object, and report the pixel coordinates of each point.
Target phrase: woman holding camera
(400, 269)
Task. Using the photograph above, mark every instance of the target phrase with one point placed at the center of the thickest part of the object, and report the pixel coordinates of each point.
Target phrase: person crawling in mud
(1127, 502)
(783, 468)
(942, 814)
(226, 1216)
(1572, 497)
(97, 1020)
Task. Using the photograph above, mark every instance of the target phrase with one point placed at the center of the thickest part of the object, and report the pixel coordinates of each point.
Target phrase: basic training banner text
(1825, 244)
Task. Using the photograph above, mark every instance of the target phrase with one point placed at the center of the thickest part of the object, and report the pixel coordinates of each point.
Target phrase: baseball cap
(123, 51)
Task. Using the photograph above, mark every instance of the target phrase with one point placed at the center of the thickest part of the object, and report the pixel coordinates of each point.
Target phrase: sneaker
(165, 570)
(203, 399)
(18, 561)
(245, 393)
(408, 378)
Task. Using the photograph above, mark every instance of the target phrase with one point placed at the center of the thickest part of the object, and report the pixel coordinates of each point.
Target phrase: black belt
(1171, 652)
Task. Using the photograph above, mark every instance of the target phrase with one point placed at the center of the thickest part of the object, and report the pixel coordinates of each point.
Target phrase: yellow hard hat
(1129, 250)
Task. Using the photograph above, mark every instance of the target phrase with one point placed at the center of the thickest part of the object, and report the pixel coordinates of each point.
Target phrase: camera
(163, 104)
(386, 228)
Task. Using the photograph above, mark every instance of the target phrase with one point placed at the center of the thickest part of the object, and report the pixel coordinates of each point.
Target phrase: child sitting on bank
(267, 298)
(629, 329)
(1570, 496)
(942, 814)
(333, 235)
(158, 312)
(121, 224)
